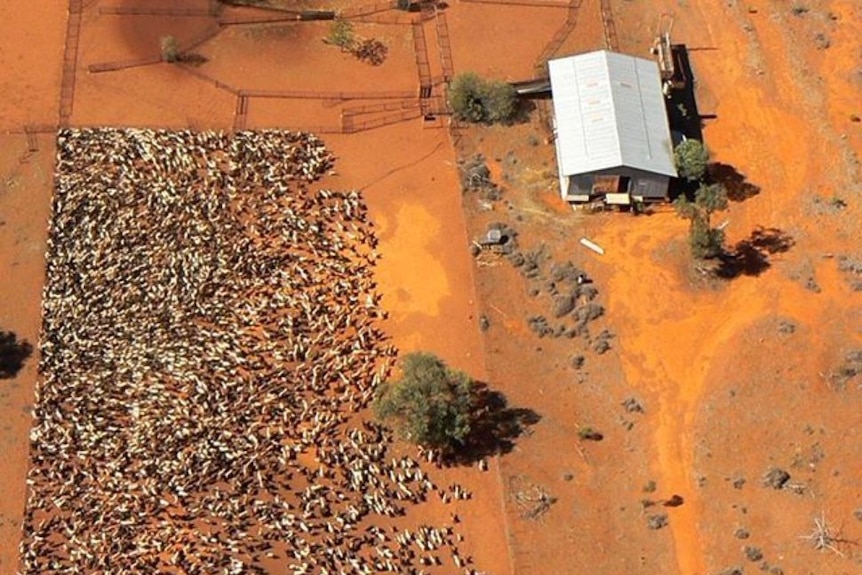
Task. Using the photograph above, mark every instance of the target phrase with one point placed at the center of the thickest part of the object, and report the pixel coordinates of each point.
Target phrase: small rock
(741, 533)
(601, 346)
(674, 501)
(578, 361)
(732, 571)
(738, 481)
(589, 312)
(753, 554)
(484, 322)
(822, 41)
(812, 285)
(657, 521)
(563, 305)
(517, 259)
(786, 327)
(632, 405)
(568, 476)
(858, 514)
(775, 478)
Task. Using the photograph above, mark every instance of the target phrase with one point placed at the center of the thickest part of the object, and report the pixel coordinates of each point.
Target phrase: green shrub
(341, 34)
(705, 242)
(691, 159)
(474, 99)
(170, 49)
(430, 405)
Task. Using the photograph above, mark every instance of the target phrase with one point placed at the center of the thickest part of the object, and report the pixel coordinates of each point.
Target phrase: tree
(341, 34)
(170, 49)
(430, 405)
(474, 99)
(706, 242)
(691, 158)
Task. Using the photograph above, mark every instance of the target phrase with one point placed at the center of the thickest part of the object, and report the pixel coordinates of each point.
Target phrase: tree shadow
(738, 188)
(13, 353)
(524, 108)
(680, 187)
(494, 429)
(750, 257)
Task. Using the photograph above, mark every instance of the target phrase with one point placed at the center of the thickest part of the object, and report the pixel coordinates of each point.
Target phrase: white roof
(610, 112)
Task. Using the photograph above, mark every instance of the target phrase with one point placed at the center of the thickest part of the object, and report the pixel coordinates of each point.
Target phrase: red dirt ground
(726, 394)
(25, 191)
(693, 350)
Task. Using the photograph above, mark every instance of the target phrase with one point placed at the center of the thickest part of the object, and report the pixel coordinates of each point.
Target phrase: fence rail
(559, 37)
(444, 44)
(420, 50)
(350, 125)
(531, 3)
(70, 61)
(147, 11)
(240, 118)
(380, 107)
(209, 79)
(610, 29)
(122, 65)
(311, 95)
(368, 10)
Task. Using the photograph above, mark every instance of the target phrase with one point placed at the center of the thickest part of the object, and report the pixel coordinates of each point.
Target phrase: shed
(612, 134)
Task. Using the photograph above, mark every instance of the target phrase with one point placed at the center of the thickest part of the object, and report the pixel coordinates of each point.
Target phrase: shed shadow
(681, 105)
(13, 354)
(750, 257)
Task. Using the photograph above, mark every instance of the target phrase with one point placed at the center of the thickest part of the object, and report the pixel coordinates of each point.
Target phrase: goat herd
(209, 335)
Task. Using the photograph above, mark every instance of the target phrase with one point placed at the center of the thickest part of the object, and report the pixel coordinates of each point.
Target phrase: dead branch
(823, 537)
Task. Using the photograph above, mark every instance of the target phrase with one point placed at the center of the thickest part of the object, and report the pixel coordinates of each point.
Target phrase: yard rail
(240, 118)
(149, 11)
(610, 29)
(444, 44)
(122, 65)
(311, 95)
(530, 3)
(350, 125)
(380, 107)
(368, 10)
(420, 50)
(541, 64)
(70, 61)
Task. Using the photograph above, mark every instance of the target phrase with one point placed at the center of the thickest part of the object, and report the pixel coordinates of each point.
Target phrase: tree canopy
(430, 404)
(706, 242)
(691, 158)
(474, 99)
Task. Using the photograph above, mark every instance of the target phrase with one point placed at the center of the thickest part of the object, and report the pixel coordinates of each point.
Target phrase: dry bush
(533, 501)
(823, 537)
